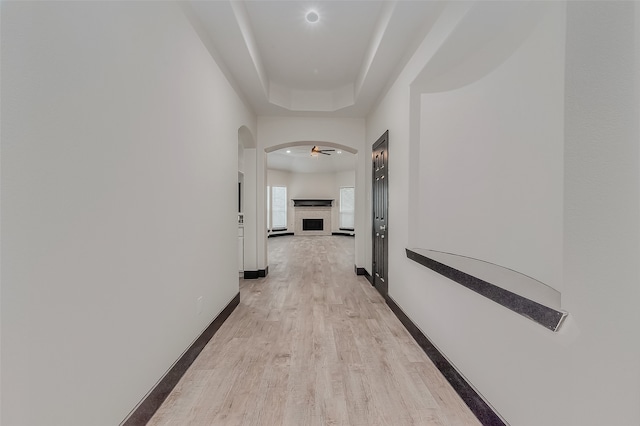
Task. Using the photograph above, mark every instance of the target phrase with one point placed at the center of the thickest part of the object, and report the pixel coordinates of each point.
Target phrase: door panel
(380, 190)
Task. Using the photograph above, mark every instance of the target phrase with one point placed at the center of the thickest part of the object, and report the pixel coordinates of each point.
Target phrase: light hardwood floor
(312, 344)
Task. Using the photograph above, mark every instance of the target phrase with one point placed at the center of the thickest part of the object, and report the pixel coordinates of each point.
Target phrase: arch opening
(307, 143)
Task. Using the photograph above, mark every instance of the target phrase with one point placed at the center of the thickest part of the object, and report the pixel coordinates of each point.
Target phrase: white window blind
(279, 207)
(347, 207)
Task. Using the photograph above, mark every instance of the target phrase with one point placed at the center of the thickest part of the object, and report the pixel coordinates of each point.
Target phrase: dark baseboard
(369, 278)
(279, 234)
(360, 271)
(250, 275)
(363, 271)
(474, 401)
(154, 399)
(254, 275)
(346, 234)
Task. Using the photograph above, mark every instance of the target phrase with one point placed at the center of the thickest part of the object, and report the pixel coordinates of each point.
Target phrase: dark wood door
(380, 186)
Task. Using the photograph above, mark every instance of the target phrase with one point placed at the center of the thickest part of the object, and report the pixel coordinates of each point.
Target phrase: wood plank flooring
(312, 344)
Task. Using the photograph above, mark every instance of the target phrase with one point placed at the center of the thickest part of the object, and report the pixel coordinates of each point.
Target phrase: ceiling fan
(315, 151)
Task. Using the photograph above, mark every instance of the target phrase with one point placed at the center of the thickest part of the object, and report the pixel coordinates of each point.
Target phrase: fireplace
(312, 224)
(312, 216)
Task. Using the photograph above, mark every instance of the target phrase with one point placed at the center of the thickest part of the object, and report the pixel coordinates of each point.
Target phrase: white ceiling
(298, 159)
(339, 66)
(321, 56)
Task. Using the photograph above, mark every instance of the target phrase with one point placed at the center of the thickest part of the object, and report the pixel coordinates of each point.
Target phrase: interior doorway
(306, 183)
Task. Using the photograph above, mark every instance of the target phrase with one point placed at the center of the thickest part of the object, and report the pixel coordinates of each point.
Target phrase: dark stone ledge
(546, 316)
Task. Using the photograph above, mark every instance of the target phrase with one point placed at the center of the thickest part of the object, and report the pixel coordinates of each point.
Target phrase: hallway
(312, 344)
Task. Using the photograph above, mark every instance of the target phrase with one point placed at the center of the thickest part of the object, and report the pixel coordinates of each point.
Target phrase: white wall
(312, 185)
(494, 192)
(278, 178)
(250, 210)
(601, 244)
(349, 132)
(119, 173)
(587, 373)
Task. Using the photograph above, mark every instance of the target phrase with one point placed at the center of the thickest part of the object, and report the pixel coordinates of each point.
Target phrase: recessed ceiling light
(288, 151)
(312, 17)
(338, 152)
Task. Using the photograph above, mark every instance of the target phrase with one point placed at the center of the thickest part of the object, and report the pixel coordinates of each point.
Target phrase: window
(278, 207)
(347, 207)
(268, 208)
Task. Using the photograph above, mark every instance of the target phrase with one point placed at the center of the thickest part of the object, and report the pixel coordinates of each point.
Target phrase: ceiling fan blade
(316, 150)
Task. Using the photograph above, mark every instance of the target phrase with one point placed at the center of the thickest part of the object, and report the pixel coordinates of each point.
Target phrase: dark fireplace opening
(312, 224)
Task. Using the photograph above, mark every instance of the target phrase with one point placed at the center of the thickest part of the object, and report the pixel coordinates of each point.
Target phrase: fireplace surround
(312, 216)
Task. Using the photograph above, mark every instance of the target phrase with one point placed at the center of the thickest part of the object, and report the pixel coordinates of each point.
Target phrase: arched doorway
(302, 170)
